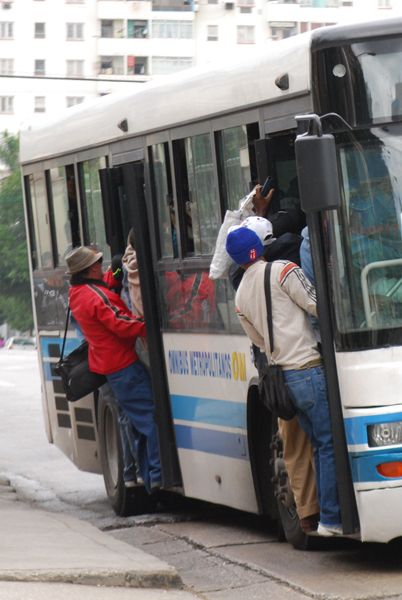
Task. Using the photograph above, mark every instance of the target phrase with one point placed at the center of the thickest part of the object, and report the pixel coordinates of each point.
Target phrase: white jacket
(292, 295)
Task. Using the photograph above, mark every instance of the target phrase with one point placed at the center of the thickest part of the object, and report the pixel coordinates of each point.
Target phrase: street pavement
(43, 553)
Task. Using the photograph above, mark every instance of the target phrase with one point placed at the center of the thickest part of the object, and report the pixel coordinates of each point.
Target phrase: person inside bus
(111, 331)
(293, 297)
(297, 450)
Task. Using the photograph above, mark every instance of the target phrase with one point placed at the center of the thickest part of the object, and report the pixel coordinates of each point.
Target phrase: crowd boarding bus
(322, 114)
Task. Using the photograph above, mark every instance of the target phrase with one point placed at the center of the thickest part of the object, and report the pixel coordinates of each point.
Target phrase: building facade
(58, 53)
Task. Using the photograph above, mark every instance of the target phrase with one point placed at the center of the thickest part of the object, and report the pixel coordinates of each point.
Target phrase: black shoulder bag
(78, 381)
(272, 387)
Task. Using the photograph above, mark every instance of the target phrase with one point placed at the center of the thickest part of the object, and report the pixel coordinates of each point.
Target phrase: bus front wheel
(124, 501)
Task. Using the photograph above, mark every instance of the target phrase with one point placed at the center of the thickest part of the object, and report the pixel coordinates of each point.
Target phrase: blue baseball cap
(243, 245)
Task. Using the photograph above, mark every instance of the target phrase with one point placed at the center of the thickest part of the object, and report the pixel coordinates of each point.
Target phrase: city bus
(322, 114)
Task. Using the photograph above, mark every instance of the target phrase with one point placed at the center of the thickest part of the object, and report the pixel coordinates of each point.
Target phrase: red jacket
(107, 324)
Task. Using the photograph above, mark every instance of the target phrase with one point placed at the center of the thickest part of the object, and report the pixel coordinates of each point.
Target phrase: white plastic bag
(221, 261)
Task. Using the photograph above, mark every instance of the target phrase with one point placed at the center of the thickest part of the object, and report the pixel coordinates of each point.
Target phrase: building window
(246, 10)
(75, 31)
(384, 3)
(75, 68)
(7, 104)
(274, 33)
(137, 65)
(40, 30)
(137, 29)
(166, 65)
(112, 29)
(245, 34)
(6, 30)
(112, 65)
(212, 33)
(40, 104)
(212, 1)
(171, 5)
(73, 100)
(168, 29)
(40, 67)
(6, 66)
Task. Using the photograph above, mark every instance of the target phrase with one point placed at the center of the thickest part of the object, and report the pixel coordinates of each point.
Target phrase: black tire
(124, 501)
(289, 522)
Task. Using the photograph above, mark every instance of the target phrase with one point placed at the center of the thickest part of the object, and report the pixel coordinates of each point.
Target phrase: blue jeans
(308, 391)
(132, 387)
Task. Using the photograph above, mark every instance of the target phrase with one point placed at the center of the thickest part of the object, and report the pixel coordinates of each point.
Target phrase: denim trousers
(308, 391)
(132, 387)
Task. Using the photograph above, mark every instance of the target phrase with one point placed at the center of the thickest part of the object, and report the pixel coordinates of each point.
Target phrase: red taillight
(391, 469)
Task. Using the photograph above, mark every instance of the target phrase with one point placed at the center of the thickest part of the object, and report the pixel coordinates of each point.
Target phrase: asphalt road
(220, 554)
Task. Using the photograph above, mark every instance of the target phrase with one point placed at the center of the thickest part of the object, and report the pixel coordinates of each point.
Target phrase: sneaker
(329, 530)
(140, 481)
(129, 484)
(157, 485)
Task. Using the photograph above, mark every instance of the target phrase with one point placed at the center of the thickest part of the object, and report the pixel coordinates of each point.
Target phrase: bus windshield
(366, 234)
(362, 81)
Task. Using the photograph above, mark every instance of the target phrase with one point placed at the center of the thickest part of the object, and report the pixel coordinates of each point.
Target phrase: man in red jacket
(111, 331)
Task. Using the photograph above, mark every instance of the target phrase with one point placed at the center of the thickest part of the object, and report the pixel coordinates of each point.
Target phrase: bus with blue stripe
(321, 113)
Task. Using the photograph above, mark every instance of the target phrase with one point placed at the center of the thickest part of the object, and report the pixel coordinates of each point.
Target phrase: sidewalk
(45, 552)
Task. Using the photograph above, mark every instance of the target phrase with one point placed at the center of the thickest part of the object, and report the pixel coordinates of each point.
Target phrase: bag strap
(268, 299)
(65, 334)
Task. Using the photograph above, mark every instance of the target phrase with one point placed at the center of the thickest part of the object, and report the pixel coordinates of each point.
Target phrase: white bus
(169, 159)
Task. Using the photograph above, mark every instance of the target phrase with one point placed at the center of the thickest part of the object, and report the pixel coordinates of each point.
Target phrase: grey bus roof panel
(187, 96)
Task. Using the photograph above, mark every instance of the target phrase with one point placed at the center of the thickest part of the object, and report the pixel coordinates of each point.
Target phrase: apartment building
(58, 53)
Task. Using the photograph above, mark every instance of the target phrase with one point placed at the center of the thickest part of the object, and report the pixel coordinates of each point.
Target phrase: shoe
(140, 481)
(329, 530)
(310, 524)
(157, 485)
(129, 484)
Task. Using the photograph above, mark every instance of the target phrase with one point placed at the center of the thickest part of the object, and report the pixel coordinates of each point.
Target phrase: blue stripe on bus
(212, 412)
(364, 465)
(356, 427)
(222, 443)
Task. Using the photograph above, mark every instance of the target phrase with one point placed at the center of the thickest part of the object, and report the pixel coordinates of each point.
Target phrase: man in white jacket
(293, 297)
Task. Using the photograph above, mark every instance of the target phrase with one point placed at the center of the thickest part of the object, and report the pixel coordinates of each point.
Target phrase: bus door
(123, 197)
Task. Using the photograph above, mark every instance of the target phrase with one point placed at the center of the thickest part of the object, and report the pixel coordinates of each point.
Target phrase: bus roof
(191, 95)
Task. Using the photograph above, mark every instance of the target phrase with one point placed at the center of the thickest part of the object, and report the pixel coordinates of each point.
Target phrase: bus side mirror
(317, 173)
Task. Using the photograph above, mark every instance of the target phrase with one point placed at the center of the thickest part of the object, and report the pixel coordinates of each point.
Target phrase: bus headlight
(385, 434)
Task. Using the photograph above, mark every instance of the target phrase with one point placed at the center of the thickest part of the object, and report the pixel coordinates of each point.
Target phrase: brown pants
(298, 458)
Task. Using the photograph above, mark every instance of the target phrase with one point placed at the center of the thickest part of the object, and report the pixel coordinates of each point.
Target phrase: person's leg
(330, 513)
(307, 389)
(132, 387)
(298, 457)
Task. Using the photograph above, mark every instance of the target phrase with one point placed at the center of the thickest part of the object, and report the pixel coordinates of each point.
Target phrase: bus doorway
(125, 207)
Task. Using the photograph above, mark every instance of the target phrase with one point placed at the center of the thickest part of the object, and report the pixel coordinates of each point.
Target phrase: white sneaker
(329, 530)
(129, 484)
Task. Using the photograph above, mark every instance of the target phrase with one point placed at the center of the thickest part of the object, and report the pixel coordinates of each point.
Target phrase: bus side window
(237, 163)
(63, 200)
(199, 214)
(41, 243)
(92, 208)
(163, 197)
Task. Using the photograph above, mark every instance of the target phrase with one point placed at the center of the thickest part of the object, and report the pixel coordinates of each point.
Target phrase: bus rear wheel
(124, 501)
(289, 522)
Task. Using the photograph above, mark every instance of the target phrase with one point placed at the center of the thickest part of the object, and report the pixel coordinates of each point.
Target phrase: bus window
(368, 243)
(62, 193)
(92, 208)
(162, 188)
(196, 196)
(41, 243)
(237, 163)
(193, 301)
